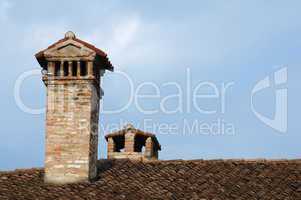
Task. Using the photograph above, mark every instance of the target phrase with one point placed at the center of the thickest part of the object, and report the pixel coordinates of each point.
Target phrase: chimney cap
(70, 35)
(70, 38)
(129, 126)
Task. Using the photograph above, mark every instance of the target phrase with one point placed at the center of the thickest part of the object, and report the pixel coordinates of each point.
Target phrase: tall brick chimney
(72, 70)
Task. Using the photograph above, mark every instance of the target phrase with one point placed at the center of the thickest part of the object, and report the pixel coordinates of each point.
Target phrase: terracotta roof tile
(199, 179)
(90, 46)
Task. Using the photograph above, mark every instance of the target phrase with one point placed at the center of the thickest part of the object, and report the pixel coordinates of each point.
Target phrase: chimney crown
(132, 143)
(70, 48)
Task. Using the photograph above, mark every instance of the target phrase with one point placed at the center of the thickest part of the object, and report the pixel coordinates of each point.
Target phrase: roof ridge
(21, 170)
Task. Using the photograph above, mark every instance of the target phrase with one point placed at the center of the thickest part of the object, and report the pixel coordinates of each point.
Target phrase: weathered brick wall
(94, 132)
(110, 148)
(130, 152)
(128, 155)
(71, 130)
(129, 142)
(149, 148)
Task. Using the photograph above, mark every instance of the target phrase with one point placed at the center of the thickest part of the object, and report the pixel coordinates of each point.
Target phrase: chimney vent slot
(57, 68)
(66, 69)
(83, 68)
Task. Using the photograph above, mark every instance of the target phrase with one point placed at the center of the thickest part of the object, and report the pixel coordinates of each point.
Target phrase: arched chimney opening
(119, 143)
(139, 143)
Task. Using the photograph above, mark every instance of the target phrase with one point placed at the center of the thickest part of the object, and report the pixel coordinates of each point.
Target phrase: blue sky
(238, 42)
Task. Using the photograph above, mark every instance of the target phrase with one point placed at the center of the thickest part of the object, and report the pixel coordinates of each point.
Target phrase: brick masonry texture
(196, 179)
(132, 141)
(71, 131)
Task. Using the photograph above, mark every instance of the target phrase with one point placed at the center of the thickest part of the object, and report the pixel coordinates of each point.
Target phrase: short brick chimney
(132, 143)
(72, 70)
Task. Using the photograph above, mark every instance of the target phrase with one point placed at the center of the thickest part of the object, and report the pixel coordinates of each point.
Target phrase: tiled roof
(198, 179)
(90, 46)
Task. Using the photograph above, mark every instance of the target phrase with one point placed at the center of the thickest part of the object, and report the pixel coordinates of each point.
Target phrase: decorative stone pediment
(69, 49)
(73, 49)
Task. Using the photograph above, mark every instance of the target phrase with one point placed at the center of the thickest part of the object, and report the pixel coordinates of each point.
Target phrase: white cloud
(118, 39)
(130, 42)
(39, 37)
(124, 33)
